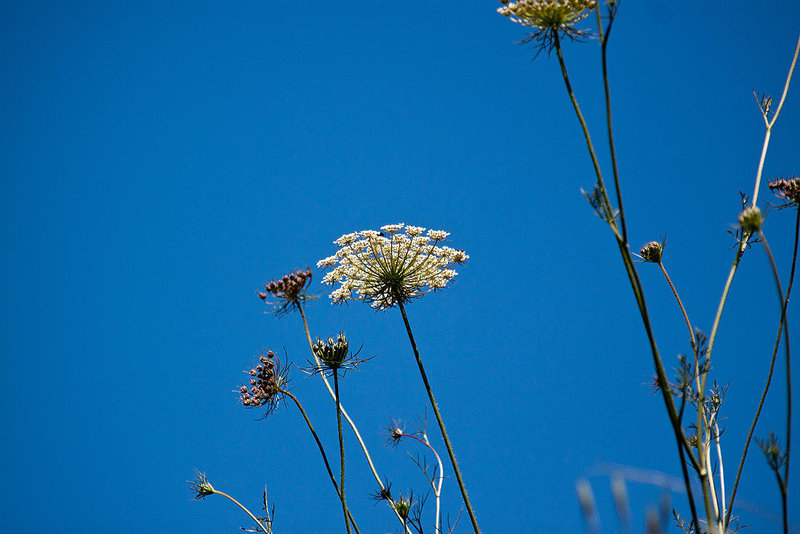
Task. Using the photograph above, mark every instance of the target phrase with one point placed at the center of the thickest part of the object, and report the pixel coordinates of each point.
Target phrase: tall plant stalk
(439, 420)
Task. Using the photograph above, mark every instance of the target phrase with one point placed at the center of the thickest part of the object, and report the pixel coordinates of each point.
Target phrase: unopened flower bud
(751, 219)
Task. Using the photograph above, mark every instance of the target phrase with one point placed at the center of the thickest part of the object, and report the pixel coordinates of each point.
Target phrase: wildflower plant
(700, 439)
(391, 267)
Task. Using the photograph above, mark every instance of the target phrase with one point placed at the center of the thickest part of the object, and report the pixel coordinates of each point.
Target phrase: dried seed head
(652, 251)
(751, 219)
(788, 189)
(290, 290)
(269, 378)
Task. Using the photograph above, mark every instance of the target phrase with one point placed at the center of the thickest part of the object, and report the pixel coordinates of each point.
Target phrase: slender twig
(321, 450)
(439, 420)
(237, 503)
(771, 123)
(346, 416)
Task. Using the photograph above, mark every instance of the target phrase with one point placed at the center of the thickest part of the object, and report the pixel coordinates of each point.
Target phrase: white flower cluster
(547, 13)
(390, 266)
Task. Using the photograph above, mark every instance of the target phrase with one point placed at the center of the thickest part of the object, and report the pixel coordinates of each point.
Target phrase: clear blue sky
(161, 161)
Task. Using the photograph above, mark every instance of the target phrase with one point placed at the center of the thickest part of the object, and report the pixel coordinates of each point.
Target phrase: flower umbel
(788, 189)
(290, 290)
(267, 379)
(385, 271)
(651, 252)
(549, 17)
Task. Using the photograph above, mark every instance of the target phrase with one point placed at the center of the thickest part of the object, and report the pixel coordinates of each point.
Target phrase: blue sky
(160, 162)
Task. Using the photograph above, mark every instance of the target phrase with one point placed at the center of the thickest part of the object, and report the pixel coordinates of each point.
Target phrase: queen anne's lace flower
(553, 14)
(550, 19)
(387, 270)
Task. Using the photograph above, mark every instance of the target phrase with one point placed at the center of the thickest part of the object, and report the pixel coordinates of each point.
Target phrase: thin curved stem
(595, 163)
(347, 416)
(680, 304)
(237, 503)
(439, 420)
(321, 450)
(611, 146)
(437, 488)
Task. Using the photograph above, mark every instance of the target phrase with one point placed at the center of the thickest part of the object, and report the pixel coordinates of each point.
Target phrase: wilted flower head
(385, 271)
(751, 219)
(267, 379)
(652, 252)
(549, 17)
(788, 189)
(333, 355)
(289, 290)
(200, 485)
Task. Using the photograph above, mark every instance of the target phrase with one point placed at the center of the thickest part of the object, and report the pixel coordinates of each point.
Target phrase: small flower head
(290, 290)
(787, 189)
(751, 219)
(390, 267)
(201, 487)
(333, 355)
(267, 380)
(550, 18)
(652, 252)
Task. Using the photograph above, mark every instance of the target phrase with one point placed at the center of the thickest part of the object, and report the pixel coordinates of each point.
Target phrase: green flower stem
(611, 146)
(341, 447)
(601, 184)
(322, 452)
(638, 292)
(439, 420)
(237, 503)
(346, 416)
